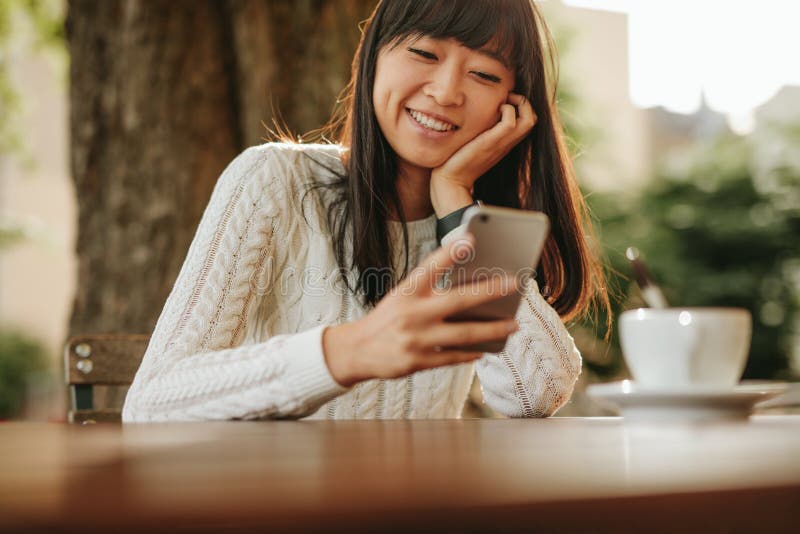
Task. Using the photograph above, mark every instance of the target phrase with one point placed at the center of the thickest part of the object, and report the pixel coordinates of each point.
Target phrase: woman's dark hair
(537, 174)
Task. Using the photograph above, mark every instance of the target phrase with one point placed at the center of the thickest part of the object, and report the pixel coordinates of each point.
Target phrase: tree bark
(163, 94)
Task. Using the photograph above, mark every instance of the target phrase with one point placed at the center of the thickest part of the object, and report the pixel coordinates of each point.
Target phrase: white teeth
(430, 122)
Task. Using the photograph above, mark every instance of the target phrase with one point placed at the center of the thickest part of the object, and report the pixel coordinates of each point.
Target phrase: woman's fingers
(472, 294)
(516, 120)
(422, 280)
(508, 115)
(457, 334)
(527, 116)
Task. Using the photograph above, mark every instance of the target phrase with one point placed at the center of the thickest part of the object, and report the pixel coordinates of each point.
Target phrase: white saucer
(682, 403)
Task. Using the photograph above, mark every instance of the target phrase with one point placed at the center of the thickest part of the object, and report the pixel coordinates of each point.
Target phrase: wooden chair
(100, 359)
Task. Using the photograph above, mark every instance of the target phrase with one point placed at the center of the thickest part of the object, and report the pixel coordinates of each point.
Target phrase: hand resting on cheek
(471, 161)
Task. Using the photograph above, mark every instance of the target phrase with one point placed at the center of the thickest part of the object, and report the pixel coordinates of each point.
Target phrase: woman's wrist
(448, 200)
(339, 350)
(451, 221)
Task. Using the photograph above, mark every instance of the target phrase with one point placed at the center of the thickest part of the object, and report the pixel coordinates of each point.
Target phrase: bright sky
(738, 53)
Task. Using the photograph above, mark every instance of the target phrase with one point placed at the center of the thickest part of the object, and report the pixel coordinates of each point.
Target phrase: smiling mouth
(429, 122)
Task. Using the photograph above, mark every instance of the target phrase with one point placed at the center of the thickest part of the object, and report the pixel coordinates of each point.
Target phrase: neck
(414, 190)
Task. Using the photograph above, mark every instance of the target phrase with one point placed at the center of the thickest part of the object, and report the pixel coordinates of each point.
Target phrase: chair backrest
(100, 359)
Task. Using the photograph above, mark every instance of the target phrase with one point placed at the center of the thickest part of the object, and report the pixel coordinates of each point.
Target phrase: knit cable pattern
(534, 375)
(240, 338)
(191, 370)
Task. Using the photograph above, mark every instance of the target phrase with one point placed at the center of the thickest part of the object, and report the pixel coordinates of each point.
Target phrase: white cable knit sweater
(240, 336)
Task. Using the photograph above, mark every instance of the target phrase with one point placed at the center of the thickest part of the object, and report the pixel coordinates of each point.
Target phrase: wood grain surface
(598, 474)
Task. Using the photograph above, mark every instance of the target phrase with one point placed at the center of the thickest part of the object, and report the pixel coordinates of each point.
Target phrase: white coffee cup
(674, 348)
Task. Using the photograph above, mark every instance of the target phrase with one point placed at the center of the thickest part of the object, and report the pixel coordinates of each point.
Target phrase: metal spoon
(651, 293)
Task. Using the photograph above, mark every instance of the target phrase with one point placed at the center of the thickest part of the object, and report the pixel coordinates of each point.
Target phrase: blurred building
(595, 66)
(673, 131)
(784, 107)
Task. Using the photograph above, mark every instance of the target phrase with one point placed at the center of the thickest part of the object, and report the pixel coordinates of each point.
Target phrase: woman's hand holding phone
(459, 173)
(406, 332)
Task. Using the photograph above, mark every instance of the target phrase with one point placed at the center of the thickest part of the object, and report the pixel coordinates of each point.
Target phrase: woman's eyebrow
(494, 54)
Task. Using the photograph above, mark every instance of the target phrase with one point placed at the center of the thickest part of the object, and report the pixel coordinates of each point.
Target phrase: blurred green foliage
(719, 226)
(20, 357)
(11, 233)
(47, 21)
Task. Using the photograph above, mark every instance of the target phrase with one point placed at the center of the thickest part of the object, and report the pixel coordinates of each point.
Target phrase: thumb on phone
(440, 262)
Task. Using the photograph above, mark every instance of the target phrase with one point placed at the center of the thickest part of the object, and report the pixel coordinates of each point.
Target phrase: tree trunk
(163, 94)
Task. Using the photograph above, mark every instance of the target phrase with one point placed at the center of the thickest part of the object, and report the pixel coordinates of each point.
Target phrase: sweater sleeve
(196, 367)
(535, 374)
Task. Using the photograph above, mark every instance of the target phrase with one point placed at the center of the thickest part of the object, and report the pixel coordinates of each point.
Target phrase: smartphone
(507, 241)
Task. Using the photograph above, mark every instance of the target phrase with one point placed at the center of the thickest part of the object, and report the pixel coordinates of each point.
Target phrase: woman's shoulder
(297, 154)
(288, 149)
(286, 164)
(277, 176)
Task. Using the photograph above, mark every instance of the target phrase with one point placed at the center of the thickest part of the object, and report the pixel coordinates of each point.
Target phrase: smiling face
(432, 96)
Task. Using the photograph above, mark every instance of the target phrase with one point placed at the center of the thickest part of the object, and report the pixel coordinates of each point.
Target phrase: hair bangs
(492, 25)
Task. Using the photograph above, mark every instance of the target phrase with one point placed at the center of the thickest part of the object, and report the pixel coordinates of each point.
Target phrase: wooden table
(466, 475)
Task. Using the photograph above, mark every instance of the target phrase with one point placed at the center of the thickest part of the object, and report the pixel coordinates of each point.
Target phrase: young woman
(288, 303)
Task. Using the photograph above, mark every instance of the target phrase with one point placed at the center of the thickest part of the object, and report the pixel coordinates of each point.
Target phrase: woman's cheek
(493, 120)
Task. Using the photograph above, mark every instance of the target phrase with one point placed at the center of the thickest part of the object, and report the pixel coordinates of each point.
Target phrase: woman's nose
(445, 87)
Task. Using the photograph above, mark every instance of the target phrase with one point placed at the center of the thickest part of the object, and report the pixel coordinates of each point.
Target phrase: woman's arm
(195, 367)
(536, 372)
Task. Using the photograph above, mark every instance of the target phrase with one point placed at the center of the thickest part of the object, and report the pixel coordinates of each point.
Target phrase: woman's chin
(428, 162)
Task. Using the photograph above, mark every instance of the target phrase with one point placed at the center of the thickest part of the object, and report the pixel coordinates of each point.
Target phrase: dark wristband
(451, 221)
